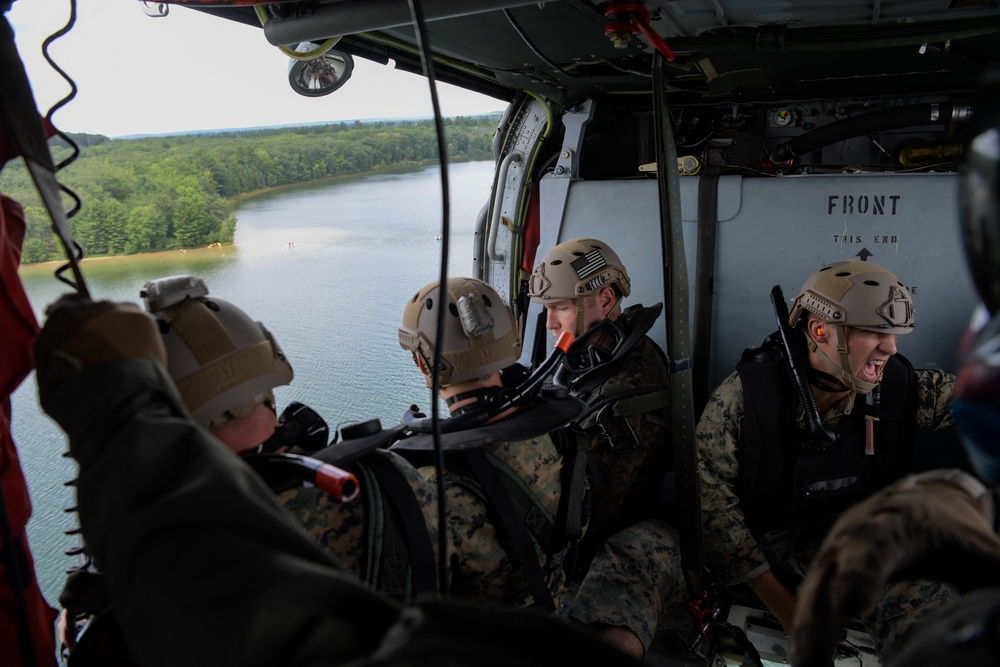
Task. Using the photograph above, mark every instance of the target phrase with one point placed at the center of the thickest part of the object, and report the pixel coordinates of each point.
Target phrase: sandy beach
(95, 264)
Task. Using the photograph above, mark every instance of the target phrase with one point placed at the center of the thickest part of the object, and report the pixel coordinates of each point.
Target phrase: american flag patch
(589, 264)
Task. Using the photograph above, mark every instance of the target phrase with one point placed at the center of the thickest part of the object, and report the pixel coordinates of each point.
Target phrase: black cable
(531, 45)
(428, 63)
(75, 250)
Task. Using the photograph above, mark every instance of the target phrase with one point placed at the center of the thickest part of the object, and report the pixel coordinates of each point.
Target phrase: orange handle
(339, 483)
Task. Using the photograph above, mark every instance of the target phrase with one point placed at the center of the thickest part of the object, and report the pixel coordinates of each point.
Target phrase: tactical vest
(520, 517)
(783, 483)
(608, 401)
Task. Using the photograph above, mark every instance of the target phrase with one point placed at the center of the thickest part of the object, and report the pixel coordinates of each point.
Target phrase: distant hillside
(229, 130)
(172, 191)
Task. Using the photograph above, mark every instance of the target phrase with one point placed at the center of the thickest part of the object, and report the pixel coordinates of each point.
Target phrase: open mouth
(872, 370)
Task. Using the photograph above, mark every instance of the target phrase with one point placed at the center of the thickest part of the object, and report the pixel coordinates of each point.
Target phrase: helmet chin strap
(841, 371)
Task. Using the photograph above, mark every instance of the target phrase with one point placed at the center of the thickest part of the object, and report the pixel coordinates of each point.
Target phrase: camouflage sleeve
(935, 392)
(729, 545)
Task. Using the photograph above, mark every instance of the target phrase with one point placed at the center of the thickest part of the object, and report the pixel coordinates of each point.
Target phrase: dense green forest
(163, 193)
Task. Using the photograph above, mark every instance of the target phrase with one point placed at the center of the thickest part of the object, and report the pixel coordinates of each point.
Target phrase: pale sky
(190, 71)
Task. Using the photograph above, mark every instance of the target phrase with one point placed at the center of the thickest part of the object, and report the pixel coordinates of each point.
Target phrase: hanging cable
(30, 134)
(75, 254)
(428, 65)
(74, 250)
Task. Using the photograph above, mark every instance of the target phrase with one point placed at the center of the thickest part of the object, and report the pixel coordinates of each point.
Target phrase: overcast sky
(190, 71)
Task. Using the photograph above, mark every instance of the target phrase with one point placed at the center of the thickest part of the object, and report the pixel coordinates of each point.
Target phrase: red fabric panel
(18, 324)
(532, 232)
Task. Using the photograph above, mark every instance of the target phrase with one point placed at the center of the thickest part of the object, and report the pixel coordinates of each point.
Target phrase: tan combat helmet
(222, 361)
(577, 269)
(480, 333)
(855, 294)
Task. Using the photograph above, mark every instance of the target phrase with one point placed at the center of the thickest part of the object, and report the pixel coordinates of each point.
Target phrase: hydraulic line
(884, 119)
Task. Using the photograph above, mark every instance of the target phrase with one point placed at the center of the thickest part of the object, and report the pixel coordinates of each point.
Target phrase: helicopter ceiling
(714, 50)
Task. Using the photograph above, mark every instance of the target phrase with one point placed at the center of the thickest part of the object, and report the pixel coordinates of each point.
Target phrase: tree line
(170, 192)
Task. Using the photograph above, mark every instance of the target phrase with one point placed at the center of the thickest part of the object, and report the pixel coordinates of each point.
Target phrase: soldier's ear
(419, 361)
(422, 365)
(817, 330)
(606, 299)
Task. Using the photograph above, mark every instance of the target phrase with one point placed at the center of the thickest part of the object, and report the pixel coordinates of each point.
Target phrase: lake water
(326, 267)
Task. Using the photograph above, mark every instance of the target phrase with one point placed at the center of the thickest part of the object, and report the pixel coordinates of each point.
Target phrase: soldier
(513, 488)
(941, 523)
(781, 454)
(203, 564)
(226, 366)
(211, 344)
(622, 375)
(510, 523)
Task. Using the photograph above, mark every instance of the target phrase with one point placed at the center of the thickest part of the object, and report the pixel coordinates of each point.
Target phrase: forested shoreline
(170, 192)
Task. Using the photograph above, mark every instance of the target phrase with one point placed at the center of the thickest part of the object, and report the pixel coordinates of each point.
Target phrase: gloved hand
(81, 334)
(937, 525)
(85, 592)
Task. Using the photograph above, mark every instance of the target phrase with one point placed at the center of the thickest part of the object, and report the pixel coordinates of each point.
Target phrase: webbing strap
(524, 550)
(704, 285)
(675, 289)
(403, 501)
(627, 403)
(654, 399)
(574, 488)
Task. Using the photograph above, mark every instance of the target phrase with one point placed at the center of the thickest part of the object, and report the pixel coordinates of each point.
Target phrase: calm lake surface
(326, 267)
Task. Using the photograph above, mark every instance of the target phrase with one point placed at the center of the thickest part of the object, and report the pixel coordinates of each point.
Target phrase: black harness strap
(503, 504)
(675, 291)
(404, 503)
(574, 483)
(704, 287)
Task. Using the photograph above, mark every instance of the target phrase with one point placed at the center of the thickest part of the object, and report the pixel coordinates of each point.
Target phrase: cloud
(191, 71)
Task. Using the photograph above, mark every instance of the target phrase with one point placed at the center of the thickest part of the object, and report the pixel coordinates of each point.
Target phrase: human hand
(85, 591)
(80, 334)
(937, 525)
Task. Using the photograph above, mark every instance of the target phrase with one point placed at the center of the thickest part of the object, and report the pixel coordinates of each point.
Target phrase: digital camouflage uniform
(485, 570)
(636, 573)
(481, 567)
(351, 531)
(736, 553)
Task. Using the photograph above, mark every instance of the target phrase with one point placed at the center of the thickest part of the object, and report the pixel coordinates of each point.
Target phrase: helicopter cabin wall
(776, 231)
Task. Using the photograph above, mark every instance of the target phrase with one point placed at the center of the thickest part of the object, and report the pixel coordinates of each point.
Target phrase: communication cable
(19, 114)
(428, 62)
